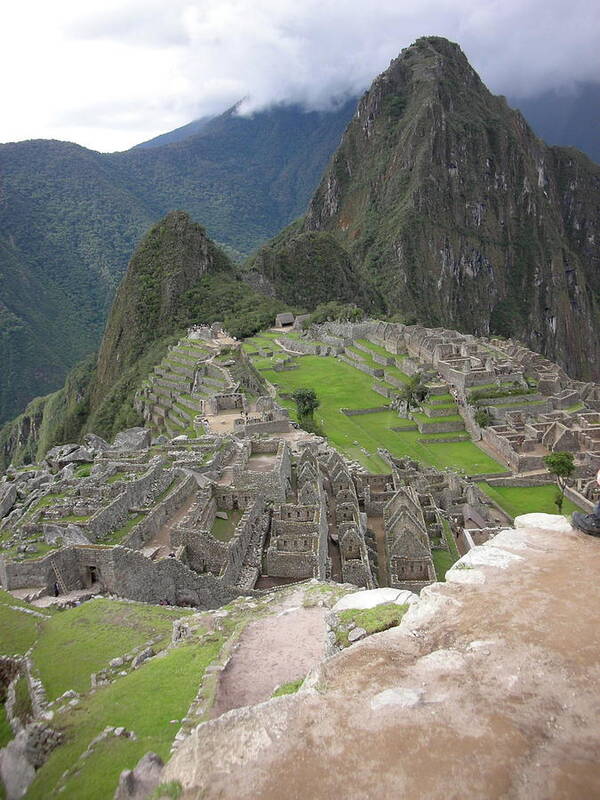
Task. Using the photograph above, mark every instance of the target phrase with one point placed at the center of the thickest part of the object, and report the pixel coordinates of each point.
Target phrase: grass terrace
(339, 385)
(375, 348)
(82, 640)
(117, 536)
(223, 529)
(517, 500)
(18, 629)
(171, 682)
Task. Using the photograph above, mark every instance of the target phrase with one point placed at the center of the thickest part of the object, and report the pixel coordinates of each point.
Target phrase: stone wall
(357, 412)
(151, 524)
(115, 514)
(126, 573)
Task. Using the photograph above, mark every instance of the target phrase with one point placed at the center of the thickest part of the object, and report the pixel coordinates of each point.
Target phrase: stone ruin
(195, 514)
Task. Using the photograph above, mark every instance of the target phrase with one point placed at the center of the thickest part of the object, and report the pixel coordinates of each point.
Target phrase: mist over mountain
(445, 207)
(567, 118)
(71, 217)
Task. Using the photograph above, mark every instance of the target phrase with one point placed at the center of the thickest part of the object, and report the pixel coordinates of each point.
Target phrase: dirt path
(268, 654)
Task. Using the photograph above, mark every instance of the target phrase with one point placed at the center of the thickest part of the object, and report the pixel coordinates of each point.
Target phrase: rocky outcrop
(132, 440)
(489, 678)
(8, 495)
(171, 259)
(451, 209)
(139, 783)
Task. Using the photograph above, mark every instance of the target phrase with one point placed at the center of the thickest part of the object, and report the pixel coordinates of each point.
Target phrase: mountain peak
(441, 199)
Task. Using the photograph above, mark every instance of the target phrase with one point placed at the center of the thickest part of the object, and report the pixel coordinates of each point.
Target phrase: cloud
(113, 71)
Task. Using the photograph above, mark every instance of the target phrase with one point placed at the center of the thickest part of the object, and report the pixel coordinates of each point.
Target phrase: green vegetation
(516, 500)
(334, 311)
(82, 640)
(288, 688)
(491, 392)
(444, 559)
(117, 536)
(339, 385)
(307, 402)
(372, 620)
(483, 417)
(72, 218)
(18, 630)
(6, 733)
(23, 708)
(223, 529)
(562, 466)
(326, 268)
(171, 682)
(167, 791)
(413, 394)
(84, 471)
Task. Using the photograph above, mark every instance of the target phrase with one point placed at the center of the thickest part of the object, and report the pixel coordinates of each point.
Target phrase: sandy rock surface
(486, 690)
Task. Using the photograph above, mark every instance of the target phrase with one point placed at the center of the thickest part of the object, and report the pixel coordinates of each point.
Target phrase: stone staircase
(173, 396)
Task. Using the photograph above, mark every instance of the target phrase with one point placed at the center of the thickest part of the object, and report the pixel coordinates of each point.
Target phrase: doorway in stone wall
(92, 576)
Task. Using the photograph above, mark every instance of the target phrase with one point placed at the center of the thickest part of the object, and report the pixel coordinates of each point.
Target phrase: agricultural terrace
(339, 385)
(517, 500)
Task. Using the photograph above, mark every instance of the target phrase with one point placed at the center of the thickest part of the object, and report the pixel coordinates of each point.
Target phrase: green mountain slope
(70, 218)
(447, 204)
(177, 277)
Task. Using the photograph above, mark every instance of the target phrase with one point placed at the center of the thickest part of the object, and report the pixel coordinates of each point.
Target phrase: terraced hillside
(172, 399)
(355, 390)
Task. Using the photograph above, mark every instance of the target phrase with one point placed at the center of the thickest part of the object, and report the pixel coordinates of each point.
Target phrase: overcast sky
(110, 74)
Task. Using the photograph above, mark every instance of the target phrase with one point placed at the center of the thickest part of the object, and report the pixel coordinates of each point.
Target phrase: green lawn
(144, 701)
(339, 385)
(223, 529)
(516, 500)
(375, 348)
(18, 631)
(82, 640)
(442, 561)
(6, 733)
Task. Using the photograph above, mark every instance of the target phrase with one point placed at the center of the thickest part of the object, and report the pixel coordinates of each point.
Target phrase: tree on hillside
(307, 403)
(412, 394)
(562, 466)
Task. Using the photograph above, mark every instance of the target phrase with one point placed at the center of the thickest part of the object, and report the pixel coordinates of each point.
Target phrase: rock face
(171, 259)
(8, 495)
(492, 683)
(139, 783)
(444, 203)
(132, 439)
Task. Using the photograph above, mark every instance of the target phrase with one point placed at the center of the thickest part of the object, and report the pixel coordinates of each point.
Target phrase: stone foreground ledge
(488, 689)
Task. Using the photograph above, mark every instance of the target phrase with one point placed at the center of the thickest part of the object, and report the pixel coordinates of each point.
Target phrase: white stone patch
(547, 522)
(371, 598)
(480, 645)
(489, 556)
(465, 575)
(443, 661)
(399, 698)
(291, 610)
(518, 540)
(430, 605)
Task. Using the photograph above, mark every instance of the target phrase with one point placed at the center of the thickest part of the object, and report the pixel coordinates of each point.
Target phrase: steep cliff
(447, 204)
